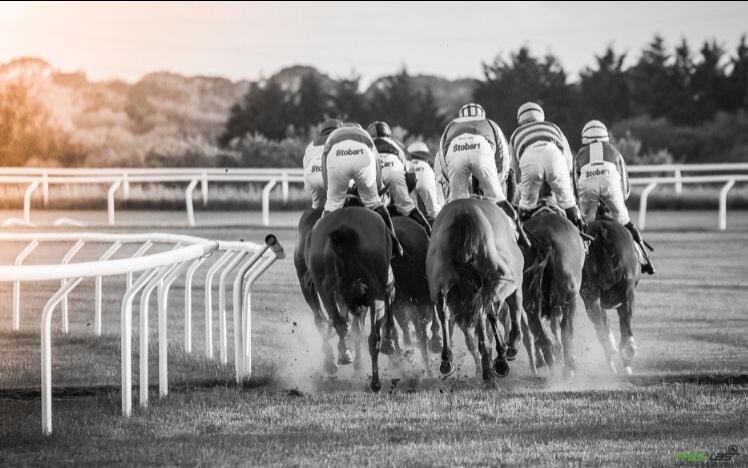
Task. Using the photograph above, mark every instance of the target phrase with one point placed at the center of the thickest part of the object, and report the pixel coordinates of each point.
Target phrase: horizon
(128, 41)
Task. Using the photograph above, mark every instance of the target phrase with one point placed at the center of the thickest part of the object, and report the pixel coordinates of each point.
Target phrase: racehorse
(348, 256)
(324, 325)
(474, 267)
(610, 276)
(412, 303)
(553, 276)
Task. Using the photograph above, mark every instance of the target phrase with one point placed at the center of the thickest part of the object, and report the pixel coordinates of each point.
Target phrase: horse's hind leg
(325, 329)
(543, 337)
(401, 316)
(359, 321)
(480, 330)
(446, 367)
(374, 341)
(600, 319)
(567, 335)
(421, 322)
(500, 364)
(342, 326)
(628, 344)
(435, 344)
(390, 343)
(514, 303)
(529, 341)
(471, 346)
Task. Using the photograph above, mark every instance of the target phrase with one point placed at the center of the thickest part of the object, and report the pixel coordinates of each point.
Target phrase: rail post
(284, 187)
(223, 345)
(209, 301)
(188, 303)
(45, 188)
(204, 187)
(110, 200)
(27, 201)
(125, 186)
(723, 204)
(643, 204)
(188, 201)
(138, 253)
(65, 260)
(678, 183)
(16, 323)
(266, 201)
(163, 342)
(97, 288)
(46, 353)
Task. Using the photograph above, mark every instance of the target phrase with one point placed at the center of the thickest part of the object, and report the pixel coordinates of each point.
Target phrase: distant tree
(509, 84)
(605, 90)
(738, 80)
(348, 102)
(265, 110)
(310, 104)
(709, 82)
(396, 101)
(651, 84)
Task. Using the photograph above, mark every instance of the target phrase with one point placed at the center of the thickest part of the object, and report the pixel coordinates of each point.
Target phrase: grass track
(691, 325)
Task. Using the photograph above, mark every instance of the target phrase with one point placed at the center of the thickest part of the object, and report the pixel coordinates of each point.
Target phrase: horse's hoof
(330, 367)
(435, 346)
(345, 358)
(387, 346)
(500, 367)
(628, 370)
(511, 353)
(628, 350)
(375, 385)
(446, 368)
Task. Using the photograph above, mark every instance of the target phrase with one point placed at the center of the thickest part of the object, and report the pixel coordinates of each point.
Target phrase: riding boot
(397, 248)
(524, 241)
(575, 217)
(648, 267)
(416, 215)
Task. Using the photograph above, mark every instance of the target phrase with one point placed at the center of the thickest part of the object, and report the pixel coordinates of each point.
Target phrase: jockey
(542, 154)
(425, 180)
(474, 145)
(313, 182)
(350, 154)
(600, 175)
(392, 163)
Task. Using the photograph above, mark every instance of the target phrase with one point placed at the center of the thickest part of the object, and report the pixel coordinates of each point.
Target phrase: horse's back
(612, 265)
(410, 270)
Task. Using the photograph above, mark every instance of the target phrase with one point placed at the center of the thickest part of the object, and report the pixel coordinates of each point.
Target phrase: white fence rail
(157, 271)
(119, 180)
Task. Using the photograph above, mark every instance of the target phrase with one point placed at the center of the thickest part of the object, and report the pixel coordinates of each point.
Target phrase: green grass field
(689, 392)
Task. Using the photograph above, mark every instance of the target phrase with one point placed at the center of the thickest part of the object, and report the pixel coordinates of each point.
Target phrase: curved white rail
(159, 270)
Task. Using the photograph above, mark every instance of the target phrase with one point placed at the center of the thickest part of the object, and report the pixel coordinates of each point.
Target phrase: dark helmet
(329, 125)
(379, 129)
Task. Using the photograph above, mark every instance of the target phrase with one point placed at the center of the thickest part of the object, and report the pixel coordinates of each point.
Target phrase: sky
(256, 39)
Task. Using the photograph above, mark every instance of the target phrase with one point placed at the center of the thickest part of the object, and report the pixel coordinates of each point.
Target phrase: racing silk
(601, 156)
(392, 163)
(485, 128)
(534, 132)
(388, 145)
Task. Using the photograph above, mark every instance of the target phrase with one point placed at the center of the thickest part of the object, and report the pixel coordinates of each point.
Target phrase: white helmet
(472, 110)
(594, 130)
(530, 112)
(418, 147)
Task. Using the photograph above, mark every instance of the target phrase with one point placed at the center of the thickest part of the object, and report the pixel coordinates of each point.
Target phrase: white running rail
(157, 271)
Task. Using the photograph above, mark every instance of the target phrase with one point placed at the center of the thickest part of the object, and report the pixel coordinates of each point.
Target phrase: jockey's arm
(575, 173)
(503, 155)
(623, 170)
(440, 168)
(567, 151)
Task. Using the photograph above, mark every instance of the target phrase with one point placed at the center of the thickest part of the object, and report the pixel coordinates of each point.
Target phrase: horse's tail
(344, 242)
(472, 231)
(611, 269)
(538, 272)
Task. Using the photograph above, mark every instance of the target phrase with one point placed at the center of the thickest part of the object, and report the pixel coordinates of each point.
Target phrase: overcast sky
(110, 40)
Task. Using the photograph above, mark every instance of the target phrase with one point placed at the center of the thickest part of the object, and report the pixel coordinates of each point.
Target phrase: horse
(348, 256)
(474, 267)
(412, 302)
(611, 274)
(323, 324)
(552, 279)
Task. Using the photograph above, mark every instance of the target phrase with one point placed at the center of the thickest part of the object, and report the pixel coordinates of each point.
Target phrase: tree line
(687, 101)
